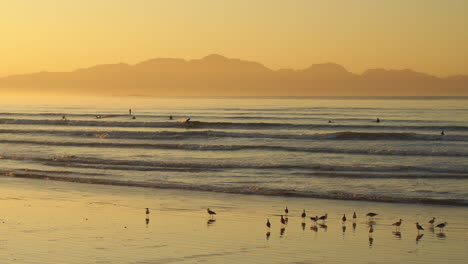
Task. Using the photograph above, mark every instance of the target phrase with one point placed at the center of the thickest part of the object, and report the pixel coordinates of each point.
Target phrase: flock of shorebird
(323, 218)
(315, 219)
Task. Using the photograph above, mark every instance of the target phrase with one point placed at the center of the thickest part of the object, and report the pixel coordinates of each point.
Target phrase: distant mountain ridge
(216, 75)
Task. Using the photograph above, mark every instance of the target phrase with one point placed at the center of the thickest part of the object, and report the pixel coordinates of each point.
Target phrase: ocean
(329, 148)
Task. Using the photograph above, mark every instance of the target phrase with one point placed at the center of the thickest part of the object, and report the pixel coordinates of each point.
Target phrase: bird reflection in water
(441, 235)
(282, 231)
(343, 228)
(371, 241)
(354, 227)
(397, 234)
(268, 235)
(210, 222)
(314, 228)
(418, 237)
(324, 226)
(147, 221)
(303, 224)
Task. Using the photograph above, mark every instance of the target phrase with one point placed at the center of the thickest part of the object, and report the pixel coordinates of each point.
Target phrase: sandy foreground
(58, 222)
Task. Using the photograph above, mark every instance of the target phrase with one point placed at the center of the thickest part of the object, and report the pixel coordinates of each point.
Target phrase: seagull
(323, 217)
(343, 218)
(419, 227)
(432, 221)
(268, 223)
(441, 226)
(211, 213)
(397, 224)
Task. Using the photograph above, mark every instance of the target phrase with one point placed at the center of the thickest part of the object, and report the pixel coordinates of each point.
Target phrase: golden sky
(59, 35)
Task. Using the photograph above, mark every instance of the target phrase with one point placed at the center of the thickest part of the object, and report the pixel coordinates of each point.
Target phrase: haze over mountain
(216, 75)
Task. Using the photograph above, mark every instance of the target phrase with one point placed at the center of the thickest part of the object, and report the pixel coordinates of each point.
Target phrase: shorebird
(354, 217)
(268, 223)
(371, 214)
(323, 217)
(283, 222)
(441, 226)
(314, 218)
(432, 221)
(211, 213)
(343, 219)
(419, 227)
(303, 215)
(286, 211)
(147, 211)
(397, 224)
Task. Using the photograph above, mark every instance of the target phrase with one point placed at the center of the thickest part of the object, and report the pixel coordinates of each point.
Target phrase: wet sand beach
(60, 222)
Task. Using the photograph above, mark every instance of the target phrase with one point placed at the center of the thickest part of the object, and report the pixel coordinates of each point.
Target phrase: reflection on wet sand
(418, 237)
(397, 234)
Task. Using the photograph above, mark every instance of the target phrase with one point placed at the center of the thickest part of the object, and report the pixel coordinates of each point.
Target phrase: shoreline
(54, 221)
(248, 191)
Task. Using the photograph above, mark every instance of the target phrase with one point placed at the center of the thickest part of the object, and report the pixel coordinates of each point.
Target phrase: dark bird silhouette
(268, 224)
(314, 218)
(283, 222)
(397, 224)
(343, 219)
(211, 213)
(371, 214)
(432, 221)
(419, 227)
(441, 226)
(323, 217)
(286, 211)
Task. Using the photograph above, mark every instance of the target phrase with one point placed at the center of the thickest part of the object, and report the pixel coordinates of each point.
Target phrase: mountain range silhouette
(216, 75)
